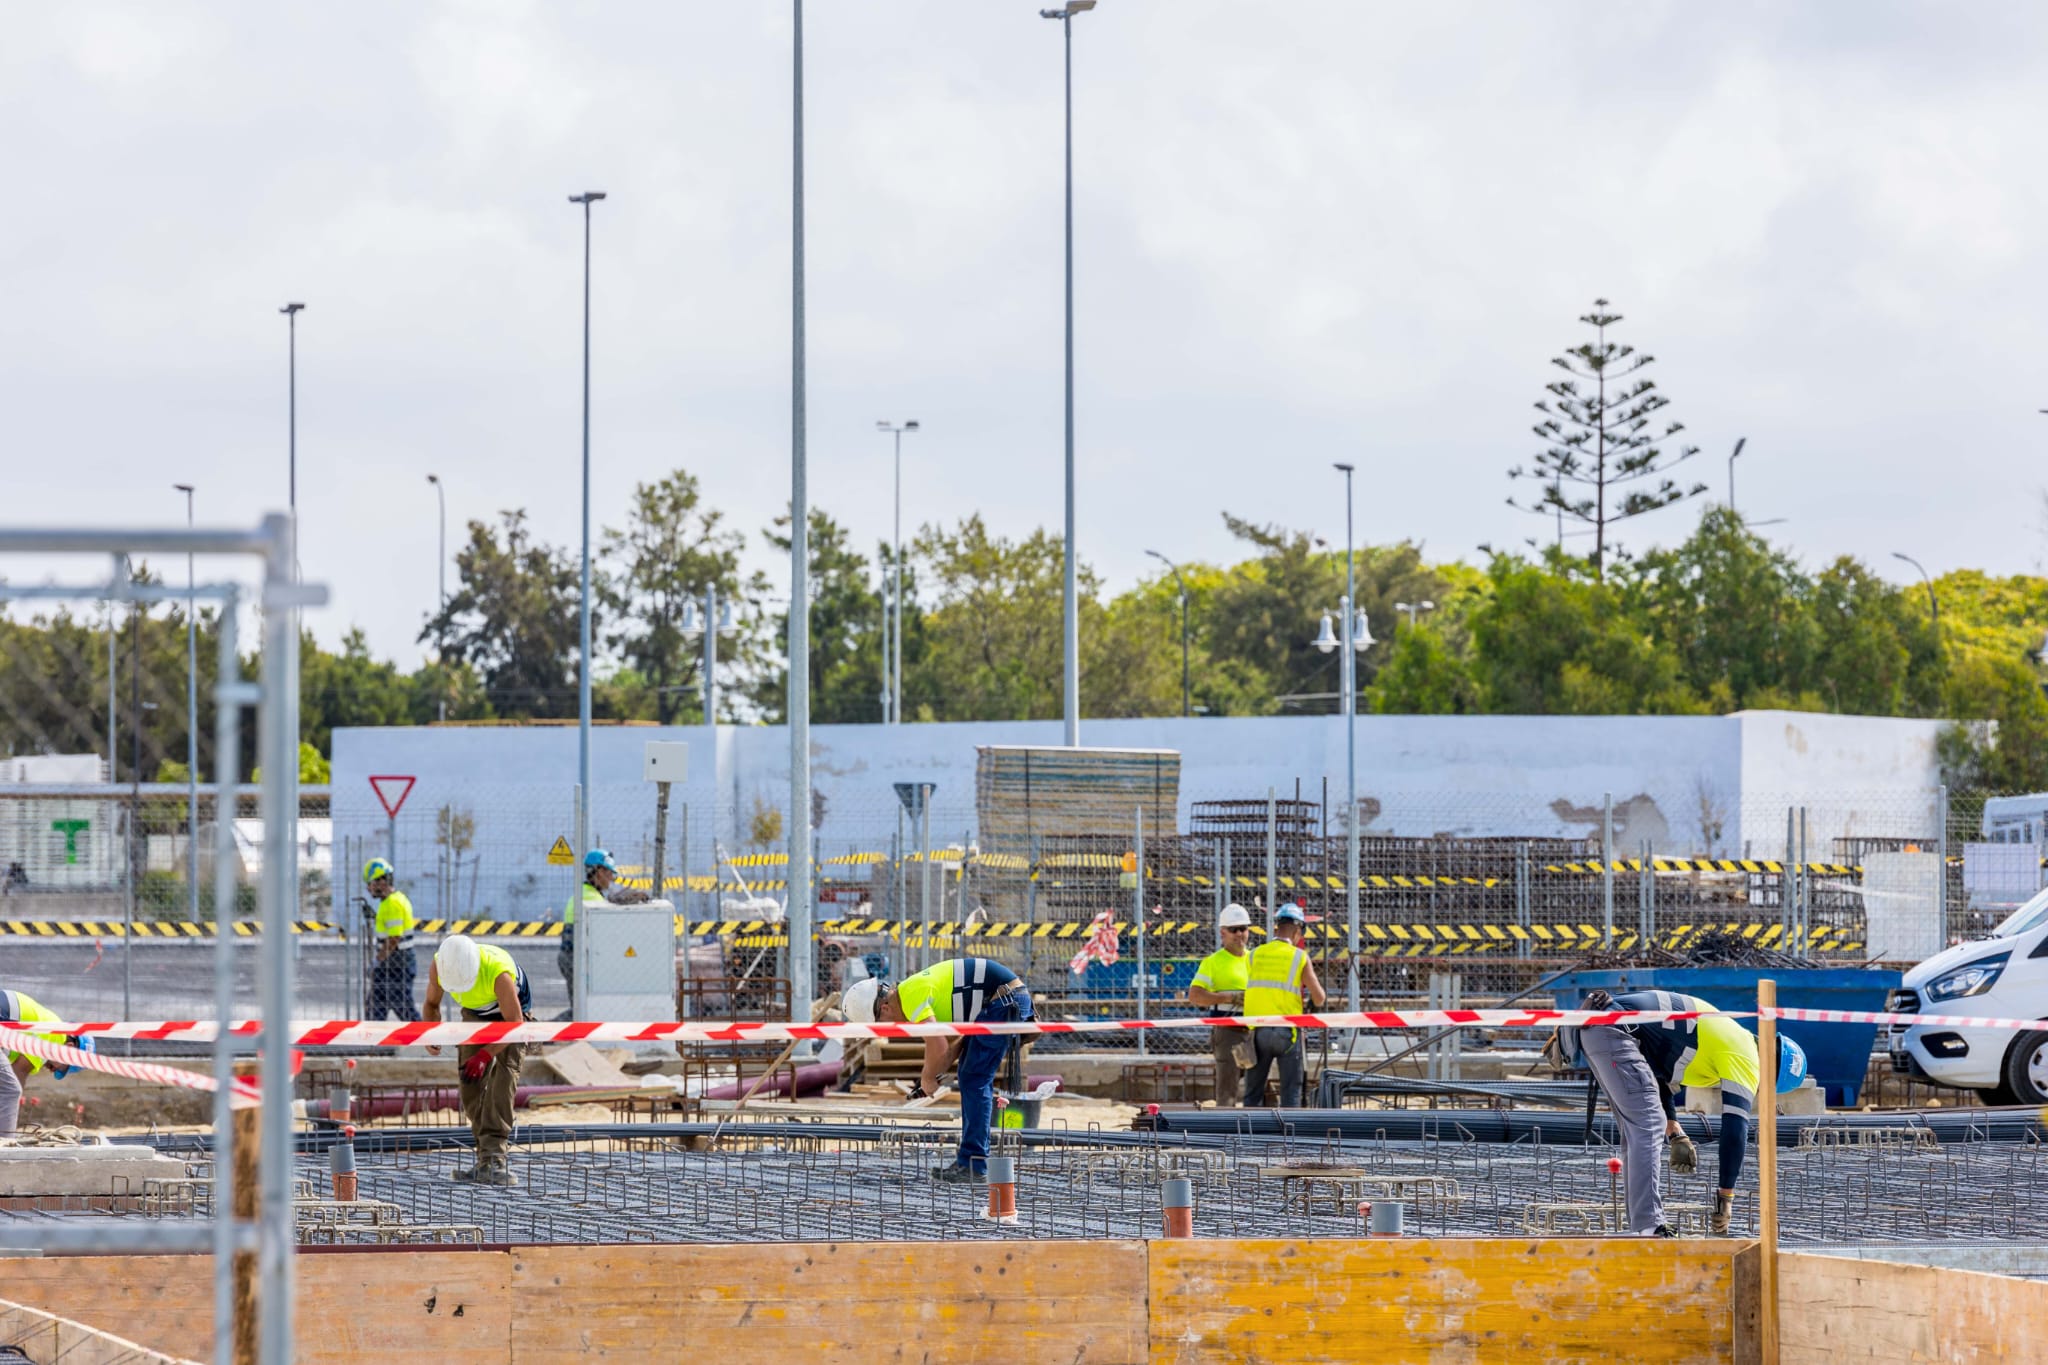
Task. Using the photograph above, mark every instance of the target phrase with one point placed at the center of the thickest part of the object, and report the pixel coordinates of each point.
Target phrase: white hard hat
(859, 1000)
(1234, 916)
(457, 962)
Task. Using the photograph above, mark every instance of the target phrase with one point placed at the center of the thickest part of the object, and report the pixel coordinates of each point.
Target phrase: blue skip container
(1837, 1055)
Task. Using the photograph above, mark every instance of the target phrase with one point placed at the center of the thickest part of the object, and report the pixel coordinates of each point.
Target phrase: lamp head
(691, 623)
(1361, 632)
(911, 425)
(292, 309)
(587, 197)
(182, 487)
(433, 478)
(1326, 638)
(1345, 467)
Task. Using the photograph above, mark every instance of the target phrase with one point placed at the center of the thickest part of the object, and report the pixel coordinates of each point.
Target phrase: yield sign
(391, 792)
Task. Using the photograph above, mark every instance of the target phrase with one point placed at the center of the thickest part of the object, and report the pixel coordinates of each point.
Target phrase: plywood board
(162, 1302)
(45, 1336)
(828, 1303)
(582, 1064)
(1834, 1309)
(1492, 1300)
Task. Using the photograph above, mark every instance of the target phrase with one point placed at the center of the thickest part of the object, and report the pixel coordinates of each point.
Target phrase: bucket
(1021, 1112)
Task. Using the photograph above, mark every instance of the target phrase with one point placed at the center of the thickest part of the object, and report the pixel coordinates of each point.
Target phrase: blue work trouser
(980, 1059)
(391, 987)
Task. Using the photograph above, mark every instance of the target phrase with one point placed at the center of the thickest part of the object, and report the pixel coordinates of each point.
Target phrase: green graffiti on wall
(71, 829)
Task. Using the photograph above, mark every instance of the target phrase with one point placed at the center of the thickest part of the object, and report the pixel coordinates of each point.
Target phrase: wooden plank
(1837, 1309)
(45, 1336)
(1476, 1300)
(832, 1303)
(162, 1302)
(1747, 1305)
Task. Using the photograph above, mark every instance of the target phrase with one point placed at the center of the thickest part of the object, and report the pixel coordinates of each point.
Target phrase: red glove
(474, 1068)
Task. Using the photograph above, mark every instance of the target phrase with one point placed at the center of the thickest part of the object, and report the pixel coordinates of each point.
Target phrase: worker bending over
(16, 1007)
(600, 887)
(1631, 1061)
(1280, 975)
(1218, 988)
(393, 973)
(489, 986)
(961, 990)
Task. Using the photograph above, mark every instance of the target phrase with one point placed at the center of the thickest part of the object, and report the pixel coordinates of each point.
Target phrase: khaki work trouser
(487, 1103)
(1223, 1046)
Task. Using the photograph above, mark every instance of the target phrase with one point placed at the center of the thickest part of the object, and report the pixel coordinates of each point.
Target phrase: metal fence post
(1272, 855)
(1138, 917)
(1607, 870)
(1522, 916)
(1031, 907)
(1941, 864)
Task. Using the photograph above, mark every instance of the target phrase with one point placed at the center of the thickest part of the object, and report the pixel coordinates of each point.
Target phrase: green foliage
(2000, 741)
(515, 619)
(1545, 644)
(845, 629)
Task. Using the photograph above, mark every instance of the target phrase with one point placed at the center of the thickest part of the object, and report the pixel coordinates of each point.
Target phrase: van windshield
(2028, 916)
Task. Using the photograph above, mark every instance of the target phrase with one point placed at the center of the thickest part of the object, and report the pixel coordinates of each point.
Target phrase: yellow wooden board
(1472, 1301)
(1836, 1310)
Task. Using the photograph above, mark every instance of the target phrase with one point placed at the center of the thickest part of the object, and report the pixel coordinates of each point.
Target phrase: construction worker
(1629, 1061)
(393, 972)
(1218, 988)
(600, 876)
(959, 990)
(489, 986)
(17, 1007)
(1280, 975)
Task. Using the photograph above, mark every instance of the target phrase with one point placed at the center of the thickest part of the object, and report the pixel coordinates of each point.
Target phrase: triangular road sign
(385, 787)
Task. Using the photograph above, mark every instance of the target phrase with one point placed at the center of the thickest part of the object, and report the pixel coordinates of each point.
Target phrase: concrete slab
(68, 1172)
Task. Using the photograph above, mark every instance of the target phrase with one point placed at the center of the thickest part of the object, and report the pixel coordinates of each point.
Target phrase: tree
(514, 619)
(1734, 610)
(672, 549)
(349, 688)
(1548, 644)
(1999, 741)
(1603, 462)
(845, 630)
(992, 631)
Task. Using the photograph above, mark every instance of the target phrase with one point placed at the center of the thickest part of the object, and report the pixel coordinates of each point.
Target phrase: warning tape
(242, 1092)
(357, 1033)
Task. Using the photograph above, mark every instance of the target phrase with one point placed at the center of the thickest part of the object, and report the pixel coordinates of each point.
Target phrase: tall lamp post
(586, 199)
(1357, 637)
(1732, 455)
(441, 588)
(291, 313)
(892, 636)
(802, 982)
(1933, 606)
(1071, 634)
(1185, 708)
(192, 723)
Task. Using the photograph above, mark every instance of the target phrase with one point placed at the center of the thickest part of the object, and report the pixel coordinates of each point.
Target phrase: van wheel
(2026, 1069)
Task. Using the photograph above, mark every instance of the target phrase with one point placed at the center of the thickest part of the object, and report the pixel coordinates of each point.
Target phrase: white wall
(1418, 775)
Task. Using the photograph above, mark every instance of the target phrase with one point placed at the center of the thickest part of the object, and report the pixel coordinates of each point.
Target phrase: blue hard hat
(375, 868)
(597, 857)
(1291, 911)
(1791, 1064)
(83, 1042)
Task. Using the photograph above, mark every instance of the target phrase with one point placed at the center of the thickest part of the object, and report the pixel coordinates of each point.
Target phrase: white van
(2004, 976)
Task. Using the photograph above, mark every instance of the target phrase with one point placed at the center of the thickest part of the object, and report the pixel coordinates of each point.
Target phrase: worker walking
(1280, 975)
(489, 986)
(961, 990)
(393, 971)
(1218, 988)
(1639, 1067)
(16, 1007)
(600, 887)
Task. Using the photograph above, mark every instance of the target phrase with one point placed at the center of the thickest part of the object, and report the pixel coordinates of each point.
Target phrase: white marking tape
(242, 1091)
(1947, 1020)
(356, 1033)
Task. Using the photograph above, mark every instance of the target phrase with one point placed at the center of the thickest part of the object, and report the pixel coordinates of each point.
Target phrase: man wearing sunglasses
(1218, 988)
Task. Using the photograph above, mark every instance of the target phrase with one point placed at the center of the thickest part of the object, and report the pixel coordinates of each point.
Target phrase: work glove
(1685, 1157)
(1599, 1001)
(917, 1091)
(474, 1067)
(1724, 1205)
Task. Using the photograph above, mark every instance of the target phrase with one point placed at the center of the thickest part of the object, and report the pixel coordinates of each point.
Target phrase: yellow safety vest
(1274, 984)
(394, 916)
(484, 995)
(1224, 970)
(23, 1008)
(927, 996)
(591, 896)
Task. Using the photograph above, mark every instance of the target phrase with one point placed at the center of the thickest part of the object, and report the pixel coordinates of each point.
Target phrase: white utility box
(629, 955)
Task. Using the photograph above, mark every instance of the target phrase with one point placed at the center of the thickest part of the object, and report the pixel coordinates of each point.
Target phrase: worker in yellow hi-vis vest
(393, 972)
(1280, 976)
(1218, 989)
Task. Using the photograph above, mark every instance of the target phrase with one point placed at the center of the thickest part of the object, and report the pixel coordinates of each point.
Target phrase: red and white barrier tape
(242, 1091)
(356, 1033)
(1945, 1020)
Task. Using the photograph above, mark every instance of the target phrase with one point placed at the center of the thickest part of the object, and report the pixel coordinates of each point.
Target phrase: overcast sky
(1314, 231)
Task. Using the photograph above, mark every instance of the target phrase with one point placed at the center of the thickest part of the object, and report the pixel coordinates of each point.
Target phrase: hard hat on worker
(1234, 916)
(1791, 1064)
(375, 868)
(457, 963)
(859, 1000)
(1291, 911)
(596, 858)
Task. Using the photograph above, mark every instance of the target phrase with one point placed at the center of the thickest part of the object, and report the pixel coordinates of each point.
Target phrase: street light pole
(1071, 634)
(441, 589)
(191, 724)
(586, 199)
(1350, 685)
(1933, 606)
(1185, 708)
(291, 313)
(802, 982)
(892, 639)
(1739, 444)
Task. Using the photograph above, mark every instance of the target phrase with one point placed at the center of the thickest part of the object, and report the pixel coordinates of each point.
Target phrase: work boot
(465, 1174)
(1724, 1207)
(959, 1175)
(496, 1171)
(1664, 1230)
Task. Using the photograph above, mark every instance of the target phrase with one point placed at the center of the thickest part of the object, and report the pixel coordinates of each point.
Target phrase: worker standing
(16, 1007)
(393, 972)
(960, 990)
(1280, 975)
(490, 987)
(1630, 1061)
(1219, 987)
(600, 878)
